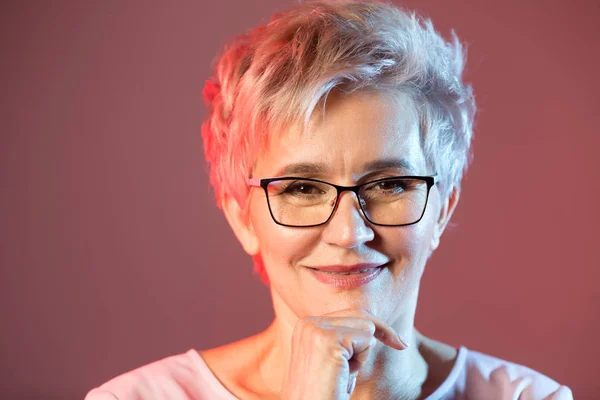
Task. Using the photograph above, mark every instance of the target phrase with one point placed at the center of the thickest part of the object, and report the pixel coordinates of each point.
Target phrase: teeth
(349, 273)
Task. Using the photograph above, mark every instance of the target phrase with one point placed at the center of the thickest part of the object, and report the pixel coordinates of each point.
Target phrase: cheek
(408, 245)
(413, 242)
(404, 242)
(280, 246)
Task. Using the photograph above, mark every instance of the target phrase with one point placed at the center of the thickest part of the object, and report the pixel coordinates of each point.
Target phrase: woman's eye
(303, 188)
(395, 186)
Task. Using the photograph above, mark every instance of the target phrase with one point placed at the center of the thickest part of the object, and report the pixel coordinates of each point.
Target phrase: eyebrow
(389, 163)
(308, 168)
(304, 168)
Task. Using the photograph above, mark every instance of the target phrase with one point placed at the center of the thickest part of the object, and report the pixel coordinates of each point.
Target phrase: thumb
(352, 383)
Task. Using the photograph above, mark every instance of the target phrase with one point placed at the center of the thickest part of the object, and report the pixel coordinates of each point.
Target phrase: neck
(388, 373)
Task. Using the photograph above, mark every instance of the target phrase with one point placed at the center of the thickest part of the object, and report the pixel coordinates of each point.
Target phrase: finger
(383, 333)
(354, 344)
(361, 353)
(526, 394)
(356, 318)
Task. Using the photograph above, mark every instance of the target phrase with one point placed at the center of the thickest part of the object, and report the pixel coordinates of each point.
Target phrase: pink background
(113, 254)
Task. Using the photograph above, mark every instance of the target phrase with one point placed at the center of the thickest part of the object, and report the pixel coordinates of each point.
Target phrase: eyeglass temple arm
(253, 181)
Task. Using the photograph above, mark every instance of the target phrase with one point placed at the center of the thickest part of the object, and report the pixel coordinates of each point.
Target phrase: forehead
(364, 130)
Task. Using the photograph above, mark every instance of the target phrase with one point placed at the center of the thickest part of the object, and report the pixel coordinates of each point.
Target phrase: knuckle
(326, 340)
(500, 375)
(371, 328)
(338, 355)
(330, 335)
(345, 341)
(319, 334)
(372, 341)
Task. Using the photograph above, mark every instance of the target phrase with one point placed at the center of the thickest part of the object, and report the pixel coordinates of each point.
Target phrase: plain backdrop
(114, 255)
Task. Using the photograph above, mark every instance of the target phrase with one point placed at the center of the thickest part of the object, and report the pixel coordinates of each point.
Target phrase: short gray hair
(280, 72)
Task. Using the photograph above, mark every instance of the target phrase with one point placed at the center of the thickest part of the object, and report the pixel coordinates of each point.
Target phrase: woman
(337, 138)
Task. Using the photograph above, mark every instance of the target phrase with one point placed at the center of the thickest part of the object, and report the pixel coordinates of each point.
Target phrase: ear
(239, 221)
(446, 211)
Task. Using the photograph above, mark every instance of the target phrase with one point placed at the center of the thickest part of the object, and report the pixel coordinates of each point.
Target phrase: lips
(347, 277)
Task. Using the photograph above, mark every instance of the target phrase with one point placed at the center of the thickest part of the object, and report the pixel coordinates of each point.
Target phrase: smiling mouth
(347, 273)
(348, 279)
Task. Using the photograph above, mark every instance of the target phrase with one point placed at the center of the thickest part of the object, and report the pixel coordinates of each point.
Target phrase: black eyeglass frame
(430, 180)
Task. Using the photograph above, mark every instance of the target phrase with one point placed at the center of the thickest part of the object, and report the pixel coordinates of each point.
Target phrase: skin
(355, 129)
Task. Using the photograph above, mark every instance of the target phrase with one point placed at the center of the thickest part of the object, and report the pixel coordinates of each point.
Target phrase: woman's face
(357, 131)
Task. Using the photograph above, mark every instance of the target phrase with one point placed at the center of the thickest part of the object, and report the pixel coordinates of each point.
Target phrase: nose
(348, 226)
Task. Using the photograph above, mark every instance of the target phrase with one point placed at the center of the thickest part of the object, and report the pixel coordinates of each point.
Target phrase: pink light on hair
(211, 90)
(280, 74)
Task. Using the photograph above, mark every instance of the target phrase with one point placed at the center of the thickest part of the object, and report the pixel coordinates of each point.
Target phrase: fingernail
(402, 342)
(352, 385)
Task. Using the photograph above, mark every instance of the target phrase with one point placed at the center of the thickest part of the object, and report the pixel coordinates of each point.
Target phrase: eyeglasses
(304, 202)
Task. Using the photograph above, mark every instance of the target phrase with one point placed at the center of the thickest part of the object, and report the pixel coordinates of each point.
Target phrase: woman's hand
(328, 352)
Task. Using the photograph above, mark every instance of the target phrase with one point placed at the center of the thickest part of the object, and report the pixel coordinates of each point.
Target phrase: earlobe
(241, 225)
(446, 211)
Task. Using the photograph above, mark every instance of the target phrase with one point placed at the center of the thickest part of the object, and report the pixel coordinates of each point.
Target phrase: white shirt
(475, 376)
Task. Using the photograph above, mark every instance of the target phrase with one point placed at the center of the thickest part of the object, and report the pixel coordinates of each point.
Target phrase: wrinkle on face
(362, 129)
